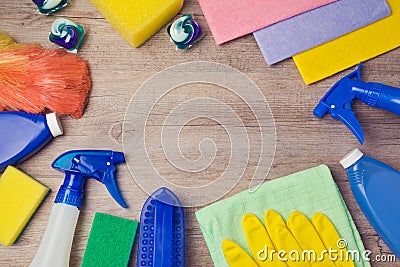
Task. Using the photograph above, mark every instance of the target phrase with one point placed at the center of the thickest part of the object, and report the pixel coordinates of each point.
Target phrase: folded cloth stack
(344, 52)
(323, 38)
(298, 34)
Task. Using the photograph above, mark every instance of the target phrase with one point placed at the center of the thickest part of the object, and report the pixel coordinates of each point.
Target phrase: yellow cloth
(310, 239)
(346, 51)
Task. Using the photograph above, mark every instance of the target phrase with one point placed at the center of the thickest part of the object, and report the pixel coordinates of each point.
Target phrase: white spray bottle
(78, 165)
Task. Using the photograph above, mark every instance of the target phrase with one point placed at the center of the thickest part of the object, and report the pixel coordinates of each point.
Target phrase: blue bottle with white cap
(376, 186)
(23, 134)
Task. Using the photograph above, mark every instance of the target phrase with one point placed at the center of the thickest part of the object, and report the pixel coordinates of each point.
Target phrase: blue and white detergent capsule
(185, 32)
(67, 34)
(47, 7)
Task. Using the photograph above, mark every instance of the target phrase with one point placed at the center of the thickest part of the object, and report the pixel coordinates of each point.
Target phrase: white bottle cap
(54, 124)
(351, 158)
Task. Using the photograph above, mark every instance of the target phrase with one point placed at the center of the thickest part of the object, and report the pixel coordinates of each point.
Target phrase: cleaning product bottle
(78, 165)
(23, 134)
(375, 186)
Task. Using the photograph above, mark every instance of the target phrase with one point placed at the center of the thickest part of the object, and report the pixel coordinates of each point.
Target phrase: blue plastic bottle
(376, 186)
(23, 134)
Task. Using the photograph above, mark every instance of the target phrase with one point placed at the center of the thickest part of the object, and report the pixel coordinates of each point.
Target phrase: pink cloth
(230, 19)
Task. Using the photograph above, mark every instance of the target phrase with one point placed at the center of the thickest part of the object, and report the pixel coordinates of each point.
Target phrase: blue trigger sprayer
(338, 100)
(78, 165)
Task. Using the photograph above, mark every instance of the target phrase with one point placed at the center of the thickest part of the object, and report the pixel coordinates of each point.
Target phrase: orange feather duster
(34, 79)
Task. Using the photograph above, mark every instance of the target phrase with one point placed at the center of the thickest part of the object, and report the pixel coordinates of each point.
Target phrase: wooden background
(117, 72)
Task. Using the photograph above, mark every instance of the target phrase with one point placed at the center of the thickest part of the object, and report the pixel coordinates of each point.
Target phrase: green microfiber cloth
(308, 191)
(110, 241)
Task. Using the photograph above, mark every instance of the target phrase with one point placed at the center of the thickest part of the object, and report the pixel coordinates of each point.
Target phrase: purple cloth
(295, 35)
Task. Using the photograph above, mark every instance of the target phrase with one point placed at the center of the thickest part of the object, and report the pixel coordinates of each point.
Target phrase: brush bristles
(34, 79)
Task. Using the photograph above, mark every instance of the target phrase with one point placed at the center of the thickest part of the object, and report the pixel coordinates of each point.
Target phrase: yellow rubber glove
(259, 243)
(309, 240)
(331, 239)
(297, 236)
(236, 256)
(284, 240)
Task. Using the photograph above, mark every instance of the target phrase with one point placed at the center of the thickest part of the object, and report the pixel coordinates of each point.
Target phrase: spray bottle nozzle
(118, 157)
(339, 99)
(79, 165)
(338, 102)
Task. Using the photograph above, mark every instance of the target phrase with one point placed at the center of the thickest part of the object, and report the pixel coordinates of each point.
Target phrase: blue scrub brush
(162, 231)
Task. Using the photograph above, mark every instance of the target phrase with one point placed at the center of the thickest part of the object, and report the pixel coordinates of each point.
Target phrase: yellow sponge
(138, 20)
(20, 196)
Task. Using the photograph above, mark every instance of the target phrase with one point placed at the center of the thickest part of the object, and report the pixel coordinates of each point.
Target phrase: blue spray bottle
(78, 165)
(375, 186)
(23, 134)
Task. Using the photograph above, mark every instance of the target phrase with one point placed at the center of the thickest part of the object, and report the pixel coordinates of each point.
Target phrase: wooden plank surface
(302, 141)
